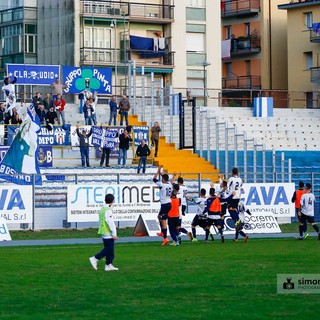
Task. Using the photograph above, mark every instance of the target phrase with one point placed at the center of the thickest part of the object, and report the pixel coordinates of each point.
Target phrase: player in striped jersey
(165, 201)
(306, 212)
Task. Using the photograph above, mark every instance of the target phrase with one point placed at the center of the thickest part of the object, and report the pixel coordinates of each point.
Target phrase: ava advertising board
(34, 74)
(16, 203)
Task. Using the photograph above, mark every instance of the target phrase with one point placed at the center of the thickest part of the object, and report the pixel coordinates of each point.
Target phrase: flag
(20, 161)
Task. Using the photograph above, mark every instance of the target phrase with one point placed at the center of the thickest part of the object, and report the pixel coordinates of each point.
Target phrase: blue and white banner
(140, 133)
(20, 160)
(263, 107)
(45, 156)
(91, 79)
(16, 204)
(34, 74)
(58, 136)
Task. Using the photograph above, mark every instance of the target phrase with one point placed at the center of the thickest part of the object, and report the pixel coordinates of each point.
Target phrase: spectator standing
(124, 107)
(60, 104)
(124, 140)
(84, 146)
(57, 88)
(87, 112)
(41, 114)
(93, 102)
(47, 102)
(51, 118)
(105, 149)
(2, 113)
(142, 152)
(37, 101)
(155, 130)
(113, 110)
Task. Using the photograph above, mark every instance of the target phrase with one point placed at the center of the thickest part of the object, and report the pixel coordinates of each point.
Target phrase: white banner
(131, 200)
(16, 204)
(4, 232)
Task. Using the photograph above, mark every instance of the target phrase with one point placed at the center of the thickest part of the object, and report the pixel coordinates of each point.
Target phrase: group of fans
(211, 210)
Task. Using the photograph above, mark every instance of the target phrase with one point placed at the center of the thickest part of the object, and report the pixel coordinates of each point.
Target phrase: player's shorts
(233, 203)
(234, 215)
(164, 210)
(299, 217)
(216, 222)
(305, 218)
(198, 221)
(173, 222)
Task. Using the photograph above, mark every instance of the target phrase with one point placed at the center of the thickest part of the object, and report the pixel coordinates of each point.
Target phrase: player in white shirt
(199, 219)
(9, 93)
(306, 212)
(234, 186)
(165, 201)
(240, 223)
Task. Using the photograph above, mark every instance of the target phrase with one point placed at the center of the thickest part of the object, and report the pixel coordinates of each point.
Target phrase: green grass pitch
(194, 281)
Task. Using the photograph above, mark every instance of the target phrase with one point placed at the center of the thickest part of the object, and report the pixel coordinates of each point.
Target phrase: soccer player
(108, 230)
(199, 219)
(306, 212)
(296, 200)
(240, 222)
(214, 210)
(165, 192)
(173, 216)
(234, 186)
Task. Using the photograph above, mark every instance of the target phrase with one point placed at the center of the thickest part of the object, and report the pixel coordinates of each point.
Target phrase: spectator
(47, 102)
(51, 118)
(16, 119)
(142, 152)
(87, 112)
(57, 88)
(84, 146)
(155, 130)
(37, 101)
(41, 114)
(105, 149)
(124, 107)
(93, 102)
(113, 110)
(60, 104)
(124, 140)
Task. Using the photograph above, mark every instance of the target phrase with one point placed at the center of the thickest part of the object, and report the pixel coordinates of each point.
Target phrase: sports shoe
(222, 239)
(94, 263)
(211, 237)
(159, 234)
(177, 244)
(110, 267)
(235, 240)
(246, 238)
(165, 241)
(306, 236)
(172, 243)
(300, 238)
(194, 240)
(237, 222)
(189, 234)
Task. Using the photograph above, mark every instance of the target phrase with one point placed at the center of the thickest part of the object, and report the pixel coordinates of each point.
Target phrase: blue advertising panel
(34, 74)
(140, 133)
(45, 156)
(92, 79)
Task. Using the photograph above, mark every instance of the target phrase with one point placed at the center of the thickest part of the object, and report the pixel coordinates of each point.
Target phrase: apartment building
(303, 51)
(178, 41)
(255, 31)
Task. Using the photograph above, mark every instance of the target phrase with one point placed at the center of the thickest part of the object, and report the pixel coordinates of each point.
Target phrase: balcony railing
(242, 82)
(315, 36)
(245, 45)
(315, 75)
(239, 7)
(131, 10)
(104, 56)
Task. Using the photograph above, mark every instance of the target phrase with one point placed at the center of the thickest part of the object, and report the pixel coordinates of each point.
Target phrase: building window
(30, 43)
(308, 20)
(247, 29)
(195, 42)
(308, 60)
(197, 14)
(228, 32)
(196, 3)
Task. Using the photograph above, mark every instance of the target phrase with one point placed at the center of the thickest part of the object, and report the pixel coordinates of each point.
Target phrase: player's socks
(194, 235)
(301, 229)
(242, 233)
(315, 227)
(220, 231)
(164, 231)
(183, 230)
(207, 234)
(236, 235)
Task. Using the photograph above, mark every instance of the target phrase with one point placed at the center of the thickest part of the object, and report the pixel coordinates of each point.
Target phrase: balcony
(242, 46)
(132, 11)
(315, 33)
(315, 75)
(242, 82)
(239, 8)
